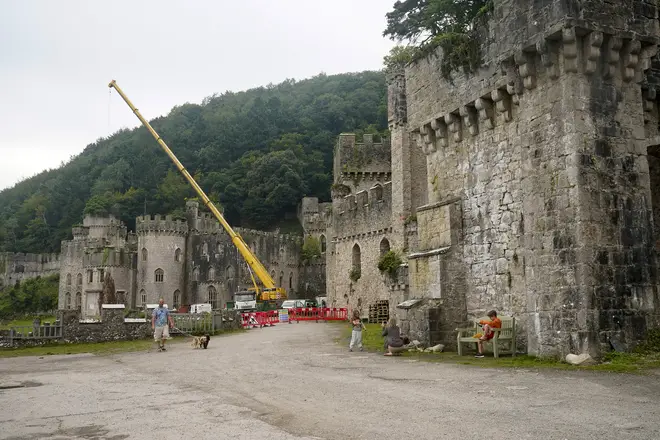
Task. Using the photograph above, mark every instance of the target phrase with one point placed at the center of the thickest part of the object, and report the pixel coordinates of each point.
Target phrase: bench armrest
(464, 329)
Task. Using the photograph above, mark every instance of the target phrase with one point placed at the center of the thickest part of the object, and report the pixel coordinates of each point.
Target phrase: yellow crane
(268, 291)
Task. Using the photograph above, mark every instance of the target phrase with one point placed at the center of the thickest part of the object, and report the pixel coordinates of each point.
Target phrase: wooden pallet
(379, 312)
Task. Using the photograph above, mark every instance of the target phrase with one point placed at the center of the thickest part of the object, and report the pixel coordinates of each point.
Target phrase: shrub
(389, 262)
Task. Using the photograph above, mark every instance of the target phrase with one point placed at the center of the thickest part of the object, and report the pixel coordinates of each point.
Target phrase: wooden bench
(506, 334)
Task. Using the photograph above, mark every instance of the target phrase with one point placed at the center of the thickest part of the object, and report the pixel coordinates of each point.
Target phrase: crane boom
(252, 261)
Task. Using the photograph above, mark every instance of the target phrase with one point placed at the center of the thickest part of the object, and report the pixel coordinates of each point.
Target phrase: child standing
(356, 335)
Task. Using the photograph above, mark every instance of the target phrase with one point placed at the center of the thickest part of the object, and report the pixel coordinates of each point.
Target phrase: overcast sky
(57, 57)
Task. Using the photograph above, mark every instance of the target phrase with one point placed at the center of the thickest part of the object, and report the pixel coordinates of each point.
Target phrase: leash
(184, 333)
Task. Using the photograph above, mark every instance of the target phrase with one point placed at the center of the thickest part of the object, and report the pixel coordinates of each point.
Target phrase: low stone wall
(112, 327)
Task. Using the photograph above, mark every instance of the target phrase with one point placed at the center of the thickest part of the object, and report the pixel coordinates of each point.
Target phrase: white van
(200, 308)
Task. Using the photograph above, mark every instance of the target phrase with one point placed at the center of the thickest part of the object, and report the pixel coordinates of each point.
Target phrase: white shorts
(161, 333)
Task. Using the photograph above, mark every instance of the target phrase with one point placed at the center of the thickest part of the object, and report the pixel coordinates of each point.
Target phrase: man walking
(161, 321)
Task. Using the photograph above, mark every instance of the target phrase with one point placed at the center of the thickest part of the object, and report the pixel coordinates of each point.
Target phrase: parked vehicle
(200, 308)
(293, 304)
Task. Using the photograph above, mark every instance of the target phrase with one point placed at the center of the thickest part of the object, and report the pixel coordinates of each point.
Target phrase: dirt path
(293, 381)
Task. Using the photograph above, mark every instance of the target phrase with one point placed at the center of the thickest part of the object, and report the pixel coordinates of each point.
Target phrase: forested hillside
(255, 152)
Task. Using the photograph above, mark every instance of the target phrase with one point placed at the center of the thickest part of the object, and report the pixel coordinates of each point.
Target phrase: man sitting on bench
(488, 333)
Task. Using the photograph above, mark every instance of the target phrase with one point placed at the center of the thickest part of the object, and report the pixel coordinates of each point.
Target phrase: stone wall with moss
(545, 146)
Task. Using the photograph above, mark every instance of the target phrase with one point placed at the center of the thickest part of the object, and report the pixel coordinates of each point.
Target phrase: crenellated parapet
(157, 225)
(281, 238)
(365, 210)
(362, 160)
(571, 48)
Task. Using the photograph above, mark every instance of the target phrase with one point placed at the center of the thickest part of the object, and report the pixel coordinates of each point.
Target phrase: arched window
(79, 279)
(79, 301)
(322, 240)
(67, 300)
(384, 246)
(357, 258)
(291, 281)
(213, 297)
(196, 274)
(68, 279)
(211, 274)
(281, 279)
(177, 255)
(144, 254)
(205, 249)
(143, 297)
(176, 299)
(159, 275)
(229, 273)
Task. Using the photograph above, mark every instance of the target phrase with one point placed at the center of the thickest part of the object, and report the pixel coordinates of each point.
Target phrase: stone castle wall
(18, 267)
(544, 151)
(184, 262)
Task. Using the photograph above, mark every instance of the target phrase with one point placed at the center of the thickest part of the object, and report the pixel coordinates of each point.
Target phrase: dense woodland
(30, 297)
(256, 152)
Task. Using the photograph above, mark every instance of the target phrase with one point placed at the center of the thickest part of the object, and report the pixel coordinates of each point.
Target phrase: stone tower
(100, 246)
(539, 169)
(161, 255)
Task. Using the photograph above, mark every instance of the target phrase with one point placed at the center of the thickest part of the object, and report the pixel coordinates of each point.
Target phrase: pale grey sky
(57, 57)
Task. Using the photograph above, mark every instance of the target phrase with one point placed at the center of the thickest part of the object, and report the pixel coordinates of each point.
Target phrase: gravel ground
(294, 382)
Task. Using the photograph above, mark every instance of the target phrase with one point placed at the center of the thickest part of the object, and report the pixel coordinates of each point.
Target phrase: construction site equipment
(266, 291)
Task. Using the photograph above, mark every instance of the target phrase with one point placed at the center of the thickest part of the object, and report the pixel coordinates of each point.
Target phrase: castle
(531, 186)
(184, 262)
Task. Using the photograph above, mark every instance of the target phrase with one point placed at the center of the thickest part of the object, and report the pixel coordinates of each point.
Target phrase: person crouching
(392, 333)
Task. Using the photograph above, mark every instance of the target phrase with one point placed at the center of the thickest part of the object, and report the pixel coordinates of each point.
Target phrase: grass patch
(612, 362)
(97, 348)
(26, 322)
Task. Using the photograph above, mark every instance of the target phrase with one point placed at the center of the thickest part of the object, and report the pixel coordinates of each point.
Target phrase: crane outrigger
(268, 291)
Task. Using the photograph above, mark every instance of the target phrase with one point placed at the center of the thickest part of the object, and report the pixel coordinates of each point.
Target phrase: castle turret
(161, 260)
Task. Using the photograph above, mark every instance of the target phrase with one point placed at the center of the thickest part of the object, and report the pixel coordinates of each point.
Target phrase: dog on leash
(201, 341)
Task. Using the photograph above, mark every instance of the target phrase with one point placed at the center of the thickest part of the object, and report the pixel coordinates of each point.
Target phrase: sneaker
(350, 349)
(361, 349)
(163, 349)
(479, 355)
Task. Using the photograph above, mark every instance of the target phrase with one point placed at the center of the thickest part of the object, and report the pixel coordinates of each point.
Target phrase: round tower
(161, 255)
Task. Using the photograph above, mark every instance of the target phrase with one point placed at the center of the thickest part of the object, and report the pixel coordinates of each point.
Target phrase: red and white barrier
(270, 318)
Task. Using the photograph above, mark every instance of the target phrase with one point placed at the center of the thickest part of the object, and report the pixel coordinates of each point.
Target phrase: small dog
(201, 341)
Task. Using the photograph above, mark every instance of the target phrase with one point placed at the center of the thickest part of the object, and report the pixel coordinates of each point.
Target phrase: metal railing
(193, 322)
(36, 332)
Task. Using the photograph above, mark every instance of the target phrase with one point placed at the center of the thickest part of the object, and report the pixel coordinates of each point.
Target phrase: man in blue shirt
(160, 318)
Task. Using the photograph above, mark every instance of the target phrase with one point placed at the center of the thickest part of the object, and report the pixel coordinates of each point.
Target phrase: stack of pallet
(379, 312)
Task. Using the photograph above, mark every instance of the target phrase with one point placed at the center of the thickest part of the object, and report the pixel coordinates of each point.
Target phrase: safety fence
(268, 319)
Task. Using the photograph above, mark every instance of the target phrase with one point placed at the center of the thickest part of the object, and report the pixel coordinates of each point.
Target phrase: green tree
(427, 24)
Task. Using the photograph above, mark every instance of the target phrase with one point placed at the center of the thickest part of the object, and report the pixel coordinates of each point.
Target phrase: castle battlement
(158, 225)
(368, 159)
(80, 232)
(283, 238)
(21, 257)
(365, 210)
(106, 257)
